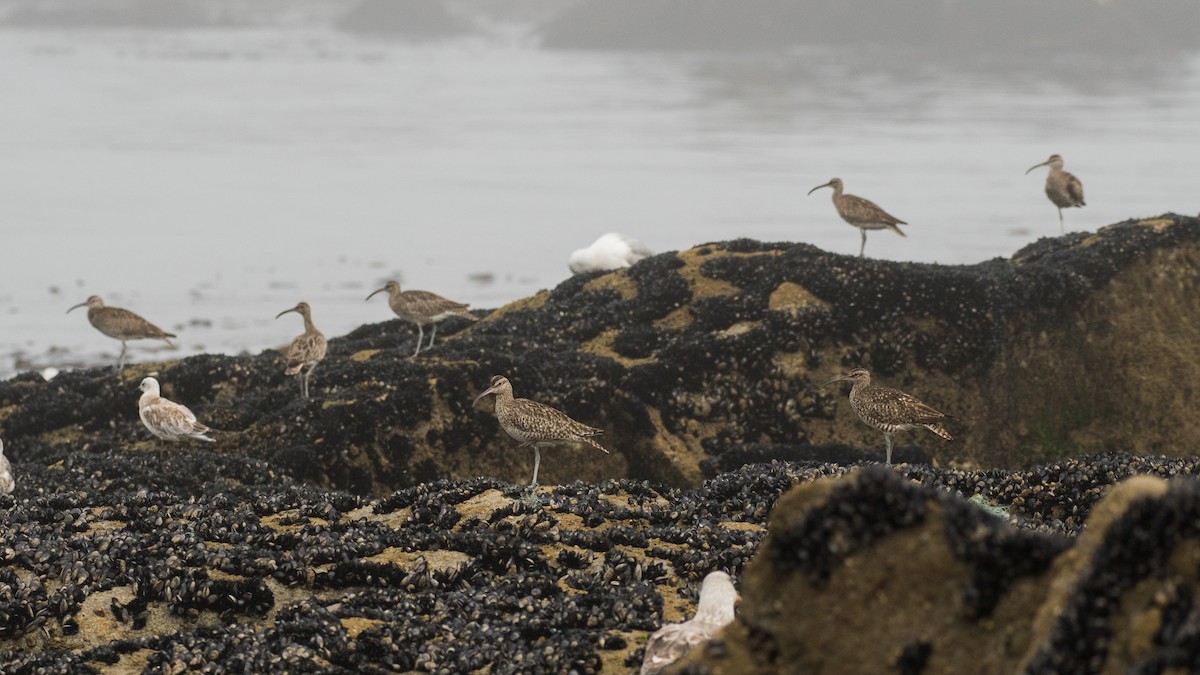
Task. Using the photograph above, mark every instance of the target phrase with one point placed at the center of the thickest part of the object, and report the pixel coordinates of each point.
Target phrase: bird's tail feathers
(940, 431)
(594, 444)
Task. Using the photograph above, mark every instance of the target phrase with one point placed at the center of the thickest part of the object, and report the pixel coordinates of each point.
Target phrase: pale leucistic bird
(7, 482)
(166, 419)
(669, 643)
(609, 252)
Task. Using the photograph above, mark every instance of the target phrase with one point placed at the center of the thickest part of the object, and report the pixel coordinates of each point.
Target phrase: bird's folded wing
(670, 643)
(170, 418)
(306, 348)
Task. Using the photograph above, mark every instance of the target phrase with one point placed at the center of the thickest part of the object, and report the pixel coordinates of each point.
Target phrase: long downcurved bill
(378, 291)
(286, 311)
(819, 187)
(489, 390)
(82, 304)
(1045, 163)
(839, 378)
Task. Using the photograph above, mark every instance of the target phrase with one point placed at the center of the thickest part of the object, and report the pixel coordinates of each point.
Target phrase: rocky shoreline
(352, 533)
(120, 563)
(1078, 344)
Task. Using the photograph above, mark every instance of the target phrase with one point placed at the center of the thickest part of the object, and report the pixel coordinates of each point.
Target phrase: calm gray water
(209, 180)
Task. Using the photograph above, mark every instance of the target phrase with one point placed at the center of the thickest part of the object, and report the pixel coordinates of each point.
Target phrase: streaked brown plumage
(121, 324)
(1062, 188)
(861, 213)
(536, 424)
(167, 419)
(307, 349)
(889, 410)
(422, 308)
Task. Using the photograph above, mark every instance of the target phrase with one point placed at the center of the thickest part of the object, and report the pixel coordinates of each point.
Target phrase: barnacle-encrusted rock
(869, 573)
(698, 360)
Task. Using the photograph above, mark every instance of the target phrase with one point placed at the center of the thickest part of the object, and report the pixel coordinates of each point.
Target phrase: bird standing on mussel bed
(121, 324)
(422, 308)
(536, 424)
(861, 213)
(307, 349)
(889, 410)
(1062, 188)
(167, 419)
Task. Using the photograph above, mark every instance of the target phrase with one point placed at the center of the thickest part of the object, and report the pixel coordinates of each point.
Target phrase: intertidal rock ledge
(871, 574)
(698, 360)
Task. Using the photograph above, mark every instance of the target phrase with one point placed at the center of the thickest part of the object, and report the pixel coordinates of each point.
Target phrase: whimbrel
(168, 420)
(121, 324)
(7, 482)
(672, 641)
(536, 424)
(1063, 188)
(861, 213)
(422, 308)
(307, 349)
(889, 410)
(610, 252)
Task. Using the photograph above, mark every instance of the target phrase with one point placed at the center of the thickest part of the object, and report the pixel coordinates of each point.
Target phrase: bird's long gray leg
(121, 358)
(862, 248)
(1061, 228)
(888, 437)
(432, 335)
(420, 339)
(537, 460)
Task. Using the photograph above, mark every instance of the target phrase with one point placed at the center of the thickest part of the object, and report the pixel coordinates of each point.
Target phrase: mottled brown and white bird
(422, 308)
(536, 424)
(1062, 188)
(7, 481)
(889, 410)
(166, 419)
(715, 611)
(307, 349)
(121, 324)
(861, 213)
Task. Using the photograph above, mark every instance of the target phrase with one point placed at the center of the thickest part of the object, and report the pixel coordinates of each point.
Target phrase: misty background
(209, 163)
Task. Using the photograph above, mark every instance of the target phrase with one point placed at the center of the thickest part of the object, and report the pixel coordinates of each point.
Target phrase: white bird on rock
(7, 482)
(166, 419)
(672, 641)
(609, 252)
